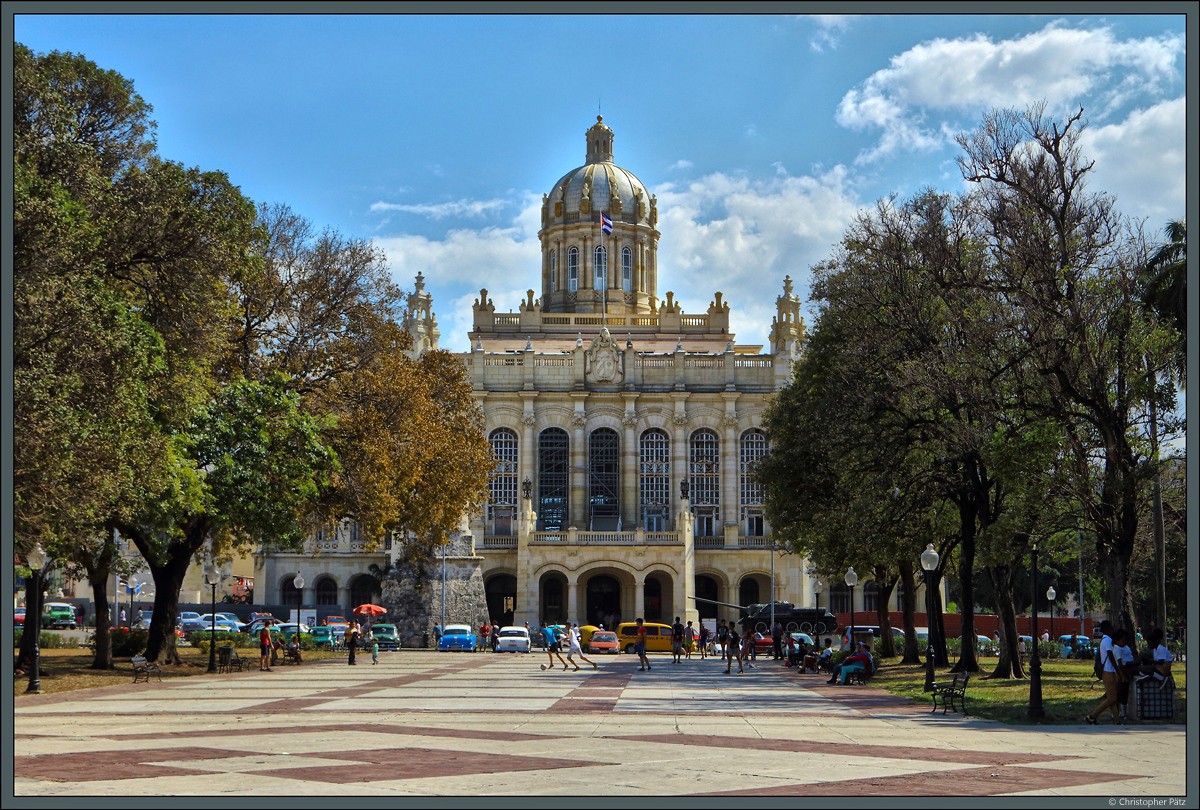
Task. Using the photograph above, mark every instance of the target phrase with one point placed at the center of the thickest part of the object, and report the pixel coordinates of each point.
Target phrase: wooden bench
(142, 669)
(948, 693)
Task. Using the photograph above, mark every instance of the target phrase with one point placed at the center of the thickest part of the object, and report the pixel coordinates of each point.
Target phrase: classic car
(457, 637)
(603, 641)
(658, 636)
(385, 634)
(513, 639)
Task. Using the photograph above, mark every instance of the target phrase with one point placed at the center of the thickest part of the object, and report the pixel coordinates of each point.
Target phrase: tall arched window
(573, 269)
(704, 475)
(654, 484)
(600, 268)
(553, 480)
(604, 480)
(326, 590)
(553, 261)
(626, 269)
(871, 596)
(502, 482)
(751, 449)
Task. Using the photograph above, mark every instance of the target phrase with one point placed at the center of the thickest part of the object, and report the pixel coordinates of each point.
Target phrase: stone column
(730, 465)
(578, 516)
(639, 598)
(572, 602)
(629, 465)
(685, 606)
(679, 444)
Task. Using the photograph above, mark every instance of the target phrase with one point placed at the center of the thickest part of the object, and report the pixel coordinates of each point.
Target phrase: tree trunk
(937, 627)
(1009, 664)
(103, 637)
(885, 583)
(967, 661)
(911, 655)
(168, 568)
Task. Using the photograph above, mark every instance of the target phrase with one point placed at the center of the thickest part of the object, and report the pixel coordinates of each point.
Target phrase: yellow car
(658, 636)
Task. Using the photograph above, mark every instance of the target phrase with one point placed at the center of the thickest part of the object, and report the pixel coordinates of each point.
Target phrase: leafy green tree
(247, 468)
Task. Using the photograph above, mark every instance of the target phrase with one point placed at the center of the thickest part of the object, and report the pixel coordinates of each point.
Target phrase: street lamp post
(817, 593)
(1036, 712)
(851, 581)
(1050, 594)
(212, 576)
(36, 560)
(298, 582)
(929, 563)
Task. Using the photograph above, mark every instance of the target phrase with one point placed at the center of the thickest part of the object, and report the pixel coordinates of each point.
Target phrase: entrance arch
(602, 600)
(552, 605)
(748, 592)
(706, 588)
(659, 598)
(501, 593)
(364, 588)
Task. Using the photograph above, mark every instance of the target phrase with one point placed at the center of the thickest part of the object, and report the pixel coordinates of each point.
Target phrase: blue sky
(762, 135)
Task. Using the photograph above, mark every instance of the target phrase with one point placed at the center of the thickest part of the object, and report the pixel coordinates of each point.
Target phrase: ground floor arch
(552, 598)
(602, 600)
(500, 590)
(658, 597)
(364, 588)
(707, 588)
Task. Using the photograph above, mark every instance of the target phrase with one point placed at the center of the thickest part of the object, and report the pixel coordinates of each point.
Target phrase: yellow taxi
(658, 636)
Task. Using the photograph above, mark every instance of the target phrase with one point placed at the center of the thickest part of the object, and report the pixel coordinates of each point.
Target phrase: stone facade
(623, 429)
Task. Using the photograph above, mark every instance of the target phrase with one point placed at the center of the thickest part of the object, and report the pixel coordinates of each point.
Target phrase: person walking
(777, 638)
(574, 648)
(689, 639)
(1125, 663)
(639, 646)
(722, 640)
(352, 633)
(732, 648)
(374, 650)
(553, 647)
(1110, 676)
(677, 641)
(264, 647)
(748, 648)
(703, 641)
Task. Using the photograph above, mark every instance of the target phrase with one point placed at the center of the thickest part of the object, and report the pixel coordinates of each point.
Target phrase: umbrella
(370, 610)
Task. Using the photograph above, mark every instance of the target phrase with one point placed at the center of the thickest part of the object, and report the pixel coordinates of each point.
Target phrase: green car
(385, 634)
(322, 635)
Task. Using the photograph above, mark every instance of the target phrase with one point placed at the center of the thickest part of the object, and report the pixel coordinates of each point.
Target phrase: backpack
(1098, 666)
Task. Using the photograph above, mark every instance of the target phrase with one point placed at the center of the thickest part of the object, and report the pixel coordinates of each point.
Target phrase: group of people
(552, 641)
(1119, 668)
(269, 649)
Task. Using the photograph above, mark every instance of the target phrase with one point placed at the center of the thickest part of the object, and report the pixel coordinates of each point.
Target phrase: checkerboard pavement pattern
(424, 723)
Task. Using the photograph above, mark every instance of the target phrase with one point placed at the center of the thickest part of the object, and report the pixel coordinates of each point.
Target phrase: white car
(513, 639)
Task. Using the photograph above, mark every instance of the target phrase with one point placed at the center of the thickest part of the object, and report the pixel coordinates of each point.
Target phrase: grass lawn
(1069, 690)
(67, 669)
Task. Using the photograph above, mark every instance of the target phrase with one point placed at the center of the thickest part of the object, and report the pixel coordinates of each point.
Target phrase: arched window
(704, 475)
(600, 267)
(553, 260)
(839, 598)
(573, 269)
(751, 449)
(502, 482)
(654, 480)
(748, 591)
(553, 481)
(604, 480)
(326, 590)
(870, 596)
(626, 269)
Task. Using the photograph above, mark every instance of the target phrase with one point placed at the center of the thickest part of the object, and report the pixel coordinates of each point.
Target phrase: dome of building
(598, 186)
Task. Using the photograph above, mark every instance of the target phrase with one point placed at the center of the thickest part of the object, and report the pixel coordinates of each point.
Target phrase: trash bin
(425, 640)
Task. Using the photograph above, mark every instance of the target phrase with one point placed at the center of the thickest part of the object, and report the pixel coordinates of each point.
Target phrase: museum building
(623, 431)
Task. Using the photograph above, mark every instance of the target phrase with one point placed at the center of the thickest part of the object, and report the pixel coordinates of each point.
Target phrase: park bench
(228, 660)
(142, 669)
(948, 693)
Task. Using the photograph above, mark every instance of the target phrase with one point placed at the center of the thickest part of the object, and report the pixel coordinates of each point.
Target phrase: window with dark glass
(751, 448)
(626, 269)
(604, 478)
(600, 268)
(704, 476)
(502, 483)
(553, 481)
(654, 483)
(573, 269)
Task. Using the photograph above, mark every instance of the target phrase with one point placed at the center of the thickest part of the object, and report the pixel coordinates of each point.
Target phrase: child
(374, 651)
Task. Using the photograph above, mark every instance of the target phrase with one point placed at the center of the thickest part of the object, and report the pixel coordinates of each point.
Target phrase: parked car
(513, 639)
(457, 637)
(19, 617)
(222, 623)
(323, 636)
(57, 615)
(386, 635)
(658, 636)
(289, 629)
(190, 622)
(861, 630)
(604, 641)
(339, 621)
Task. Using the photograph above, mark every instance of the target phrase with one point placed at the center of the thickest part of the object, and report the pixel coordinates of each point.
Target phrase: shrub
(126, 642)
(47, 641)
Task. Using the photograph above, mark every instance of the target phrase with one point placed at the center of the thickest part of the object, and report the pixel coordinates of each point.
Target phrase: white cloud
(828, 30)
(457, 208)
(680, 165)
(1148, 145)
(742, 236)
(1058, 64)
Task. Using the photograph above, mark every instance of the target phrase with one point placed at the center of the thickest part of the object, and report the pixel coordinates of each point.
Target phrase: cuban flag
(605, 223)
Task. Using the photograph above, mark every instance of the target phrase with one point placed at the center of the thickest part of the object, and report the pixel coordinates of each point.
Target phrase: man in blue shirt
(552, 645)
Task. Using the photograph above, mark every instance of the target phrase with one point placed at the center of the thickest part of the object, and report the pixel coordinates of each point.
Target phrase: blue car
(457, 637)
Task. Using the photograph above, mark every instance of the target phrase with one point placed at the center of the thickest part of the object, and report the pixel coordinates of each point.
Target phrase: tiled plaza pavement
(419, 722)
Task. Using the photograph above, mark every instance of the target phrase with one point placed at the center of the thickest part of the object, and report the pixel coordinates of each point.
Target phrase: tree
(247, 469)
(1068, 269)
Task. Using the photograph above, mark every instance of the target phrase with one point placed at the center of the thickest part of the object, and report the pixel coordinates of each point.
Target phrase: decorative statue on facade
(604, 363)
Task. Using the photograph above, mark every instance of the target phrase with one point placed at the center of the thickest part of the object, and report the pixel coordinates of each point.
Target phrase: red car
(18, 618)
